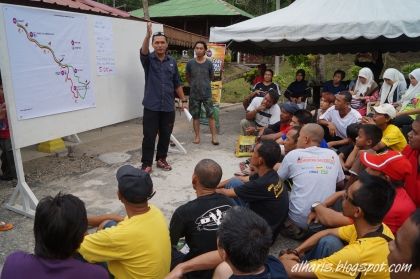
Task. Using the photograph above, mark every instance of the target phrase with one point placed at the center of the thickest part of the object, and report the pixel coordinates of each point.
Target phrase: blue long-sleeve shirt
(162, 78)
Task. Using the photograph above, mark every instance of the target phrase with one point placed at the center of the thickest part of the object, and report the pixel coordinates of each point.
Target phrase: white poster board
(49, 59)
(117, 97)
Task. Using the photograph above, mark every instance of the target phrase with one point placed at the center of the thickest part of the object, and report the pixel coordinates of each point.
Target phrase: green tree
(258, 7)
(129, 5)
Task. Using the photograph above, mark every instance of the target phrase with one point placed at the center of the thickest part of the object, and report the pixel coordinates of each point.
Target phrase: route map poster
(49, 58)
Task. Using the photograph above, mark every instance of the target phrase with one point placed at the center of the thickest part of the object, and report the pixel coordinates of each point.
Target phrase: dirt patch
(48, 168)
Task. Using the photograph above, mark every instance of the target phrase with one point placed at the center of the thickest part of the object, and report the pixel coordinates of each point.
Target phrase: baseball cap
(391, 163)
(290, 107)
(387, 109)
(134, 184)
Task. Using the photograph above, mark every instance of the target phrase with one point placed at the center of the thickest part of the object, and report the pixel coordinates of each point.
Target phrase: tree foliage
(258, 7)
(254, 7)
(129, 5)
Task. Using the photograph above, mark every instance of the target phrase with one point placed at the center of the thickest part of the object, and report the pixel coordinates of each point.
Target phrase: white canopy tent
(328, 26)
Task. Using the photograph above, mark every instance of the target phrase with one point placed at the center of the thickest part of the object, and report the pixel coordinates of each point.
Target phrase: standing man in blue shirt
(162, 84)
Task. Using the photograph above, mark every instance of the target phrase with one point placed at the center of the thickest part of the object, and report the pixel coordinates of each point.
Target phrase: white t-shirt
(266, 117)
(315, 171)
(341, 124)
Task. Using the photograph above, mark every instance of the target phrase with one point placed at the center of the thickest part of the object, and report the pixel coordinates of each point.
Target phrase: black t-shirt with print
(198, 221)
(265, 88)
(267, 197)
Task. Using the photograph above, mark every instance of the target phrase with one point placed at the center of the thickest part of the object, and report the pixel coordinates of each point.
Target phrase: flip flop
(239, 173)
(196, 142)
(215, 142)
(5, 226)
(243, 165)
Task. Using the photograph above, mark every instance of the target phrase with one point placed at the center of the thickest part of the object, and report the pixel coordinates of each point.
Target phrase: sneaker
(146, 168)
(162, 164)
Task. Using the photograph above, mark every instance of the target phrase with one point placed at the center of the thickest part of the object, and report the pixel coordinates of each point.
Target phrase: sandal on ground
(5, 226)
(162, 164)
(243, 165)
(240, 173)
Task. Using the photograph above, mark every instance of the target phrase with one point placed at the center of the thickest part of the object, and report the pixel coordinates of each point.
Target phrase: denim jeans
(233, 183)
(326, 246)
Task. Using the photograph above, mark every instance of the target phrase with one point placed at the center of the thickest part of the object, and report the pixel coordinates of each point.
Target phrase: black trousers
(154, 122)
(7, 161)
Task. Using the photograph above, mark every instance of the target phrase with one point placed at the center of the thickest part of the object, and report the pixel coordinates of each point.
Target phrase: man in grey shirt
(199, 73)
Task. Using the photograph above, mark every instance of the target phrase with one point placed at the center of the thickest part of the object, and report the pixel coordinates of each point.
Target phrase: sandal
(5, 226)
(162, 164)
(243, 165)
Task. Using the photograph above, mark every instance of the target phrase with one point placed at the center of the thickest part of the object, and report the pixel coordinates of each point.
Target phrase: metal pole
(277, 58)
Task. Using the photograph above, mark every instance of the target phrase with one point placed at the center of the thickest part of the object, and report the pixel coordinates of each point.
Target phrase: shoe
(162, 164)
(146, 168)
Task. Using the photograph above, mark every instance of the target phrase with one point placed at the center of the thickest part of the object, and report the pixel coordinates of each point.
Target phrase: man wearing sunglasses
(162, 83)
(366, 202)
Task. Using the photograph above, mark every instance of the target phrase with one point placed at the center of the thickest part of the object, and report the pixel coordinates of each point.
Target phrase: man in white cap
(392, 137)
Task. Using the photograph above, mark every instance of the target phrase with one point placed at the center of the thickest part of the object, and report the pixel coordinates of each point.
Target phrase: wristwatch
(315, 204)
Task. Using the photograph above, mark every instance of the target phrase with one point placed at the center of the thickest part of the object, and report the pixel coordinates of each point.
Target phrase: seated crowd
(343, 180)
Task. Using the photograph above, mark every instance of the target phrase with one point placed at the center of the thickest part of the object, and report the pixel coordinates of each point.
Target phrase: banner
(216, 53)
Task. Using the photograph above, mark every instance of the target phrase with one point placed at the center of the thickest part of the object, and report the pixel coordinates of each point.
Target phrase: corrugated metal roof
(87, 5)
(182, 8)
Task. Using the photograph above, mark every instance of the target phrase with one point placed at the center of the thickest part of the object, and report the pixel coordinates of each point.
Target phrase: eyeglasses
(347, 198)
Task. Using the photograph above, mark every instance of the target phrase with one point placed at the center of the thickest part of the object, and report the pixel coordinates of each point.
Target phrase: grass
(235, 91)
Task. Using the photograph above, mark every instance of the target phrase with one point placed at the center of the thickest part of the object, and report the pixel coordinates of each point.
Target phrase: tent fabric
(325, 26)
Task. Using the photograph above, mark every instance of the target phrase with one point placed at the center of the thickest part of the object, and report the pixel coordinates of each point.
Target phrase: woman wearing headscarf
(366, 89)
(394, 86)
(410, 103)
(298, 91)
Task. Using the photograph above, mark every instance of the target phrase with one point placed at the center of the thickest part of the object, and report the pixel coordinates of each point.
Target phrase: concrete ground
(89, 172)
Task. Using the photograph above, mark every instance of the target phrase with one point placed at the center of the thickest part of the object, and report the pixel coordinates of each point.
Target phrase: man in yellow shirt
(366, 202)
(139, 246)
(392, 137)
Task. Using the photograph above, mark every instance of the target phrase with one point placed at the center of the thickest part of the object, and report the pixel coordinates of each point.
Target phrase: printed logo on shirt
(211, 219)
(301, 160)
(319, 170)
(277, 189)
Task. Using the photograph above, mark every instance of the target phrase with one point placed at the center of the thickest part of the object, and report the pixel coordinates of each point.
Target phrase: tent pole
(277, 58)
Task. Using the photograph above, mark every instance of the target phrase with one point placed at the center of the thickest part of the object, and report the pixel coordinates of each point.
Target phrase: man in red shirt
(396, 168)
(412, 153)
